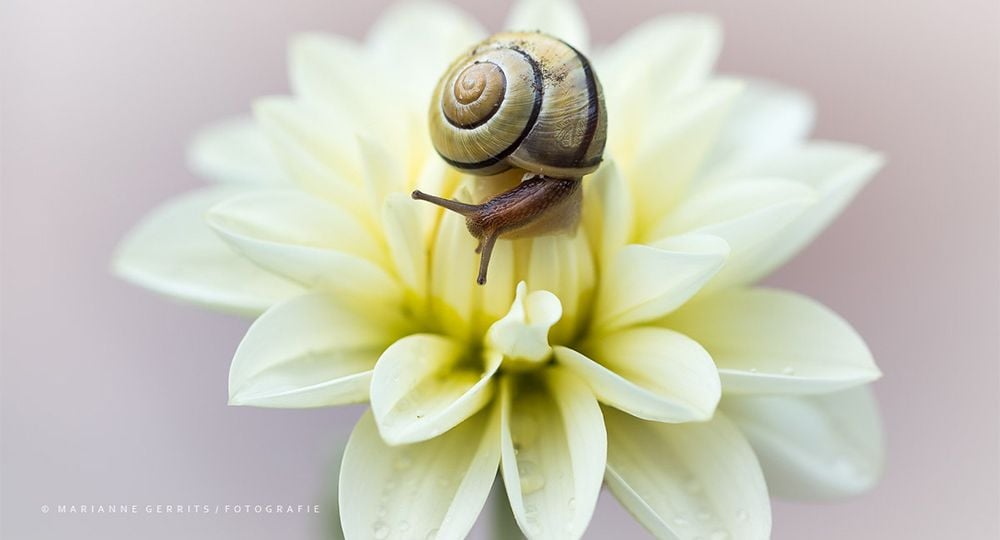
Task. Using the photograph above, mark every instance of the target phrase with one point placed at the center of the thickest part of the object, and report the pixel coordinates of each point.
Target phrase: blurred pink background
(112, 395)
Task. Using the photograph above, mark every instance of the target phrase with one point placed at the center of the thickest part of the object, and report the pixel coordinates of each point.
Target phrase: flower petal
(320, 160)
(523, 334)
(559, 18)
(418, 41)
(554, 446)
(607, 212)
(668, 155)
(236, 151)
(651, 373)
(686, 481)
(454, 267)
(403, 231)
(765, 120)
(563, 266)
(770, 341)
(421, 389)
(307, 240)
(658, 60)
(644, 283)
(172, 251)
(310, 352)
(433, 489)
(815, 447)
(836, 172)
(745, 214)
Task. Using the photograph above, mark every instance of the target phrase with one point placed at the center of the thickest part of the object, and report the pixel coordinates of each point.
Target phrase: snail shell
(520, 100)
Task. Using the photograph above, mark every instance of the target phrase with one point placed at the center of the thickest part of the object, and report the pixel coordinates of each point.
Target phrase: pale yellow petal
(309, 241)
(559, 18)
(776, 342)
(554, 449)
(523, 334)
(836, 172)
(651, 373)
(235, 151)
(644, 283)
(311, 351)
(407, 247)
(423, 386)
(607, 212)
(433, 489)
(687, 481)
(827, 446)
(174, 252)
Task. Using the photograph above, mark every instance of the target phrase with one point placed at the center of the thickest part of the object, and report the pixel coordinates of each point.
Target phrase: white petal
(310, 352)
(816, 447)
(559, 18)
(746, 214)
(236, 151)
(837, 172)
(607, 211)
(678, 137)
(422, 388)
(657, 60)
(403, 232)
(307, 240)
(765, 120)
(687, 481)
(643, 283)
(523, 334)
(651, 373)
(454, 267)
(316, 149)
(433, 489)
(563, 266)
(418, 41)
(770, 341)
(172, 251)
(554, 448)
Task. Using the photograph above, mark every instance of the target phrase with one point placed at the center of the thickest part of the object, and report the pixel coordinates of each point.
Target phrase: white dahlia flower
(593, 358)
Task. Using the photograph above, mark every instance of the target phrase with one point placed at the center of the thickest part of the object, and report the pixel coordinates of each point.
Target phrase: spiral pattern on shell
(524, 100)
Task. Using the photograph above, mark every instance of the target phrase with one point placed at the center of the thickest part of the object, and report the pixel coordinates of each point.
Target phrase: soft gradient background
(112, 395)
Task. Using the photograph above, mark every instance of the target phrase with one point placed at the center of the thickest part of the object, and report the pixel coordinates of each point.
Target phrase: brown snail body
(520, 100)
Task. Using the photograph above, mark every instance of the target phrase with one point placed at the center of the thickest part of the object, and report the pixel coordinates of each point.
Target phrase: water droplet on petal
(572, 503)
(403, 462)
(742, 515)
(753, 370)
(531, 479)
(380, 530)
(789, 370)
(681, 521)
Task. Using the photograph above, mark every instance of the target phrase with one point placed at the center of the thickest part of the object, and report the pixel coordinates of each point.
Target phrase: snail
(525, 101)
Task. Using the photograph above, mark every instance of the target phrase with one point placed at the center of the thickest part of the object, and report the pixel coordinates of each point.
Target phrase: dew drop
(403, 462)
(531, 479)
(753, 370)
(380, 530)
(742, 515)
(572, 503)
(789, 370)
(681, 522)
